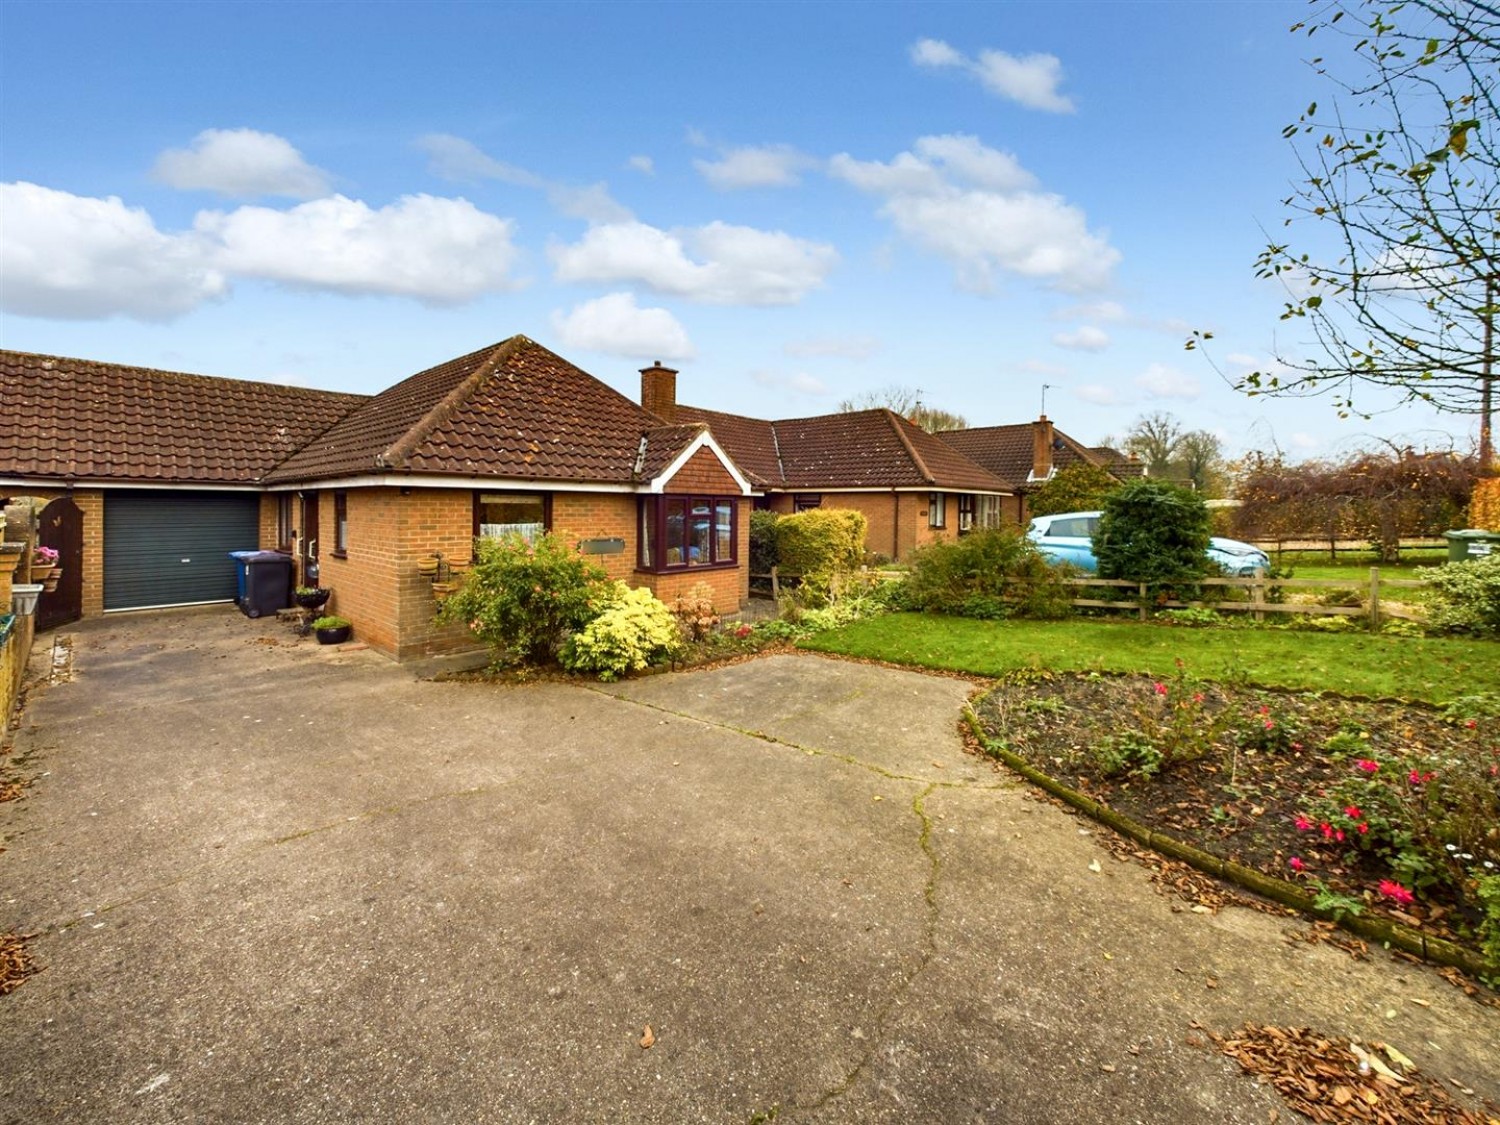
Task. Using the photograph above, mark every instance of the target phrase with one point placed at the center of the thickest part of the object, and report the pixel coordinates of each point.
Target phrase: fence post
(1258, 599)
(1143, 600)
(1374, 598)
(775, 586)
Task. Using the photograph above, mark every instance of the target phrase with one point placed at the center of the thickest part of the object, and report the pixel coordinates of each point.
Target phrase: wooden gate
(62, 530)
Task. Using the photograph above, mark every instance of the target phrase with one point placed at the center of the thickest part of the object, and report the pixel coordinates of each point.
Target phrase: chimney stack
(659, 391)
(1041, 449)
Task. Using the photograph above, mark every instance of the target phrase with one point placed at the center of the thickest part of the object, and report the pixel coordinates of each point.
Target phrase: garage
(172, 548)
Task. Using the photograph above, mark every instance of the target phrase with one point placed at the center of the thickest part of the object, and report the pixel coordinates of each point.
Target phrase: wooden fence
(1142, 598)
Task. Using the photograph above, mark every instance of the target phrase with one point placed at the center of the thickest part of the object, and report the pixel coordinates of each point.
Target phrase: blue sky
(793, 203)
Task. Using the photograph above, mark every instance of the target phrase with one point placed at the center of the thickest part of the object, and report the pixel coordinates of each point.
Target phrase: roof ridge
(895, 423)
(193, 375)
(398, 451)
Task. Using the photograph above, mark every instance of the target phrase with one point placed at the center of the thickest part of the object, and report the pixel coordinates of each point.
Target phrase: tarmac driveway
(278, 884)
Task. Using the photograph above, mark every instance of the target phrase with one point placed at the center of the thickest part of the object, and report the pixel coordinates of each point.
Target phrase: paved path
(276, 884)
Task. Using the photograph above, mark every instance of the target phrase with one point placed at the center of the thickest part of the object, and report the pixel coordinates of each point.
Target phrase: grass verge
(1427, 669)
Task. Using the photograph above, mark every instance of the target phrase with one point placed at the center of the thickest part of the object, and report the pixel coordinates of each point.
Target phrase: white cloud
(438, 251)
(717, 264)
(752, 167)
(241, 163)
(1029, 80)
(642, 164)
(1098, 394)
(613, 324)
(1084, 338)
(842, 347)
(799, 382)
(454, 158)
(1161, 381)
(1041, 367)
(77, 258)
(977, 207)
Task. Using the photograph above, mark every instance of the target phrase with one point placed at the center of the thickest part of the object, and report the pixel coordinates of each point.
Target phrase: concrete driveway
(275, 884)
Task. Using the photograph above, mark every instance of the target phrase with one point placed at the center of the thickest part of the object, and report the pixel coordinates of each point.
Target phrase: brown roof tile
(514, 409)
(80, 419)
(662, 446)
(859, 449)
(1006, 451)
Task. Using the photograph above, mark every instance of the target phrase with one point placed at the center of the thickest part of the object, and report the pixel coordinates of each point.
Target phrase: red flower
(1296, 864)
(1197, 697)
(1303, 824)
(1269, 724)
(1339, 835)
(1160, 689)
(1367, 765)
(1471, 723)
(1326, 829)
(1395, 891)
(1363, 828)
(1352, 812)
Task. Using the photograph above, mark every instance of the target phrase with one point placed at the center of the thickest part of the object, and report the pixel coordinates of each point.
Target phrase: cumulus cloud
(1085, 338)
(613, 324)
(717, 264)
(978, 208)
(438, 251)
(1028, 80)
(841, 347)
(1161, 381)
(72, 257)
(642, 164)
(242, 164)
(454, 158)
(799, 382)
(1108, 312)
(752, 167)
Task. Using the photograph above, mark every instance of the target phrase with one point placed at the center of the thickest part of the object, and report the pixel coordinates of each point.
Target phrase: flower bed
(1374, 806)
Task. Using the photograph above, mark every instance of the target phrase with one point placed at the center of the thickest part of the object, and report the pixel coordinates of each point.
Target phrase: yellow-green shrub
(822, 546)
(636, 630)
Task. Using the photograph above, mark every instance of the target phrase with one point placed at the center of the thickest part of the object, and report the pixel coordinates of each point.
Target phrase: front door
(309, 545)
(62, 530)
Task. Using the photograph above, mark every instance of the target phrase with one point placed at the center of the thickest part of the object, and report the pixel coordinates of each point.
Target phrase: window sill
(685, 569)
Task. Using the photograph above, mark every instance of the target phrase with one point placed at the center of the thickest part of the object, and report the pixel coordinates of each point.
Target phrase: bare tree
(1402, 170)
(907, 402)
(1155, 438)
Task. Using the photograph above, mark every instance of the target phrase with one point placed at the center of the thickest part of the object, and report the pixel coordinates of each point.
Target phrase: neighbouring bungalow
(1031, 453)
(912, 488)
(155, 476)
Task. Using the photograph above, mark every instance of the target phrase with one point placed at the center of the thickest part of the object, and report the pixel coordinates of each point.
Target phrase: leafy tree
(1153, 531)
(1076, 488)
(907, 402)
(1200, 462)
(1154, 439)
(1402, 170)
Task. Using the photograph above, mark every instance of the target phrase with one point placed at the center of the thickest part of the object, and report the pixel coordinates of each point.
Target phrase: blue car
(1069, 537)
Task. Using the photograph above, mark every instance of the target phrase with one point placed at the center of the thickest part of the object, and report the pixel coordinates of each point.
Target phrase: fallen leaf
(648, 1038)
(1095, 866)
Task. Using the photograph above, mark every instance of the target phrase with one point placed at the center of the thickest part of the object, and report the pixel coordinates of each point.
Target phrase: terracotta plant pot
(441, 590)
(428, 566)
(51, 579)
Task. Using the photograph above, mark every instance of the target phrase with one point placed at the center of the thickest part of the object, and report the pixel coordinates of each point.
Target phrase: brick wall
(91, 503)
(703, 473)
(600, 515)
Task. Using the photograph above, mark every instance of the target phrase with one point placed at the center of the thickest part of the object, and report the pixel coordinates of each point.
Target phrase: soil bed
(1275, 769)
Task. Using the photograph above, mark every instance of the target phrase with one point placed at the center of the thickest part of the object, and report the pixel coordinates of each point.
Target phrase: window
(965, 512)
(497, 514)
(687, 531)
(935, 511)
(987, 511)
(806, 501)
(284, 529)
(340, 524)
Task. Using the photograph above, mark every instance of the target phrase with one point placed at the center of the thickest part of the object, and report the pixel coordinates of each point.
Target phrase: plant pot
(336, 636)
(441, 590)
(427, 567)
(23, 598)
(51, 579)
(313, 600)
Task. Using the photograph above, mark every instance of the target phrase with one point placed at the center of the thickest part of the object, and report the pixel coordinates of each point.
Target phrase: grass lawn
(1429, 669)
(1353, 567)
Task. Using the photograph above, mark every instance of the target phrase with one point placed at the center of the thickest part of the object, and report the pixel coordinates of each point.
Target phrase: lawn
(1352, 568)
(1427, 669)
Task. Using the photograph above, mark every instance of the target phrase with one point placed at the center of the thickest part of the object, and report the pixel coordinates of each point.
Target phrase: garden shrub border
(1381, 930)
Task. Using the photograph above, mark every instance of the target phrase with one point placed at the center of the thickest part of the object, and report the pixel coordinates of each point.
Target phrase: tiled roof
(1006, 451)
(514, 409)
(72, 418)
(861, 449)
(1120, 465)
(663, 444)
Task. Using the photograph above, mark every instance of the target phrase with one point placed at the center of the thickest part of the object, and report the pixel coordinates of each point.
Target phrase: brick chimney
(659, 391)
(1041, 449)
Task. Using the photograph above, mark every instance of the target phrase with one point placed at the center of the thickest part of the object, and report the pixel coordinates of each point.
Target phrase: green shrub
(1151, 531)
(523, 599)
(823, 547)
(1464, 597)
(635, 631)
(1077, 488)
(330, 621)
(763, 554)
(993, 573)
(1487, 891)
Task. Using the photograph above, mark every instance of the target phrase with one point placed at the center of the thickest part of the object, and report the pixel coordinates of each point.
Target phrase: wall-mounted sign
(601, 546)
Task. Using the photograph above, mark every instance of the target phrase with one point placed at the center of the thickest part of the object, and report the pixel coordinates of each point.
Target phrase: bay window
(687, 531)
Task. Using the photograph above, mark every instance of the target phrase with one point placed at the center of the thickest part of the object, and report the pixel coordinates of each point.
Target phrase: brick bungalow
(1031, 453)
(912, 488)
(158, 475)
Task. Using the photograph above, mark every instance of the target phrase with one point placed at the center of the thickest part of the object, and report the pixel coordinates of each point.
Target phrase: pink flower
(1326, 829)
(1296, 864)
(1363, 828)
(1367, 765)
(1160, 689)
(1269, 724)
(1303, 824)
(1415, 777)
(1352, 812)
(1338, 835)
(1395, 891)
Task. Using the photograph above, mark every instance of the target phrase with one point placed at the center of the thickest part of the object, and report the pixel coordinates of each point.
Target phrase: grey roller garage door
(172, 548)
